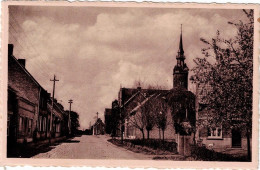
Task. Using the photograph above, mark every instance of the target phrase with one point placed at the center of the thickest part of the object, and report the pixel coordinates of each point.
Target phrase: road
(90, 147)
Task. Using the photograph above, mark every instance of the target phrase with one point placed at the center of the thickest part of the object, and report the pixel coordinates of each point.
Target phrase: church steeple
(180, 71)
(181, 51)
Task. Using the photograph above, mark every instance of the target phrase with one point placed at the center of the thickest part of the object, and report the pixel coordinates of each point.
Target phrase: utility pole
(97, 115)
(52, 104)
(69, 122)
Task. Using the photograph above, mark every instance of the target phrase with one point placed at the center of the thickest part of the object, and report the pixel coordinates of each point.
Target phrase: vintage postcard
(158, 85)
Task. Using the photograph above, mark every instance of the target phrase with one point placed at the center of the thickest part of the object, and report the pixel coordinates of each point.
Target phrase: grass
(167, 151)
(150, 147)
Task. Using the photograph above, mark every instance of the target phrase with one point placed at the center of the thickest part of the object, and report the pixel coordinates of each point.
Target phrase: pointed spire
(181, 51)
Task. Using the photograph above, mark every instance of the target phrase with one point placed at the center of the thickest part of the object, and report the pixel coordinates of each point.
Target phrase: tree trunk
(248, 145)
(143, 134)
(148, 134)
(122, 137)
(163, 135)
(159, 134)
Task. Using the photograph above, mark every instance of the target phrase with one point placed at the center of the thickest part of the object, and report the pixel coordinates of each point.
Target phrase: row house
(29, 104)
(24, 94)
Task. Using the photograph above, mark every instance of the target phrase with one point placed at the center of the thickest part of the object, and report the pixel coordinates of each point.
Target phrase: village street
(90, 147)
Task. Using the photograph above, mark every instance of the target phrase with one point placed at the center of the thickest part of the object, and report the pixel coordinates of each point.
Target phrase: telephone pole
(69, 122)
(97, 115)
(52, 104)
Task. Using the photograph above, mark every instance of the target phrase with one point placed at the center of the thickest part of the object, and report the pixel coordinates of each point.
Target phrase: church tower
(180, 71)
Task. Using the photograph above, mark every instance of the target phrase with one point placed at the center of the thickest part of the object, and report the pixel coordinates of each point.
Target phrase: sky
(95, 50)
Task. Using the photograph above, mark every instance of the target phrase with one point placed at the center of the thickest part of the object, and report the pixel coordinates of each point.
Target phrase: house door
(236, 138)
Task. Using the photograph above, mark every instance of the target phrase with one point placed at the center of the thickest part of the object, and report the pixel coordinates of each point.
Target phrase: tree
(147, 110)
(230, 77)
(160, 109)
(137, 120)
(115, 118)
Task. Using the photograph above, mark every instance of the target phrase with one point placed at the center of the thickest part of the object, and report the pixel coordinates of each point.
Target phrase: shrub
(155, 144)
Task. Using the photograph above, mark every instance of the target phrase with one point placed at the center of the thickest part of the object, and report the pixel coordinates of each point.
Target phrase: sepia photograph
(131, 83)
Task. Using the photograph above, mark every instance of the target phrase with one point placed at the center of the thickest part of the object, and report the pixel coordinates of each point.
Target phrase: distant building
(98, 127)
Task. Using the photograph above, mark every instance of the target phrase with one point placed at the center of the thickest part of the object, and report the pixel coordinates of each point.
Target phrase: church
(178, 103)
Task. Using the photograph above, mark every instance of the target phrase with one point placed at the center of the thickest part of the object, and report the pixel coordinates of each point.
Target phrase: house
(24, 94)
(58, 120)
(98, 127)
(41, 132)
(29, 106)
(216, 136)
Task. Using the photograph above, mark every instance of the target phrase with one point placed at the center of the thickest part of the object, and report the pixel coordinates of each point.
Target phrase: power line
(29, 40)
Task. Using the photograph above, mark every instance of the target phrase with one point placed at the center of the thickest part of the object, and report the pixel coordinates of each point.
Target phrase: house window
(215, 133)
(43, 124)
(25, 125)
(20, 124)
(29, 126)
(58, 128)
(40, 123)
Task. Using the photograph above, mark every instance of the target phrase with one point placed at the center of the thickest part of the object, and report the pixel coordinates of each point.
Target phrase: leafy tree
(230, 77)
(182, 103)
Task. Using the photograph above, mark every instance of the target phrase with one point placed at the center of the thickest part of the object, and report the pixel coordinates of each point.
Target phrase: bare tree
(147, 110)
(160, 110)
(137, 120)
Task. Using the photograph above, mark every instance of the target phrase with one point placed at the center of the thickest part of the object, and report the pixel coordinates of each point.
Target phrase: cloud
(118, 47)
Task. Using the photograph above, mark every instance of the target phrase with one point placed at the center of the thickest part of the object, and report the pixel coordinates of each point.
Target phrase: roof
(25, 70)
(141, 104)
(108, 111)
(128, 94)
(99, 121)
(57, 106)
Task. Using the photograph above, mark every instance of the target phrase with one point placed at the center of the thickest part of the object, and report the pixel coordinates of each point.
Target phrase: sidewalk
(30, 149)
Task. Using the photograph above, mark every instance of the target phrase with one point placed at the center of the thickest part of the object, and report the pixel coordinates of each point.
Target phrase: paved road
(90, 147)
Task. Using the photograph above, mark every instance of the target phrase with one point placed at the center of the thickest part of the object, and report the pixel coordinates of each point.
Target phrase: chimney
(139, 88)
(10, 49)
(22, 62)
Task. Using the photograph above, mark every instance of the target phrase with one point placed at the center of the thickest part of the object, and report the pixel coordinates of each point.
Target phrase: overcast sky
(93, 50)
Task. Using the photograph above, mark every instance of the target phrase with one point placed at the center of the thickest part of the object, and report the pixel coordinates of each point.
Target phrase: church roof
(180, 51)
(181, 45)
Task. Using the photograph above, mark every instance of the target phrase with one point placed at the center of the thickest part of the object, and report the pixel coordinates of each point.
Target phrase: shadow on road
(71, 141)
(30, 150)
(27, 151)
